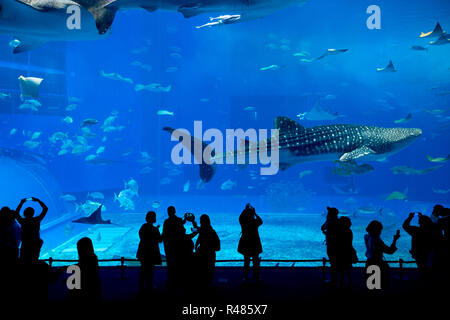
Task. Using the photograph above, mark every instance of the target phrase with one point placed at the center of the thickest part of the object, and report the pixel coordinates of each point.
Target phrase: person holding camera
(250, 243)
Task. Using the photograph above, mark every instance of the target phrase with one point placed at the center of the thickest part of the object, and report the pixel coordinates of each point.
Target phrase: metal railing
(323, 262)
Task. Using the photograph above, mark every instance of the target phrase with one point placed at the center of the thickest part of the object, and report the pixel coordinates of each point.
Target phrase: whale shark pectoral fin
(189, 11)
(28, 43)
(104, 17)
(357, 153)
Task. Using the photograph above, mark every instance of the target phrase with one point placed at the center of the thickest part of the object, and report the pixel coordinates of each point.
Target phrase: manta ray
(94, 218)
(389, 68)
(437, 32)
(317, 113)
(343, 142)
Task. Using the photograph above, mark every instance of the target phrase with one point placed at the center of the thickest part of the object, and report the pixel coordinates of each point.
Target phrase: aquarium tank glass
(106, 109)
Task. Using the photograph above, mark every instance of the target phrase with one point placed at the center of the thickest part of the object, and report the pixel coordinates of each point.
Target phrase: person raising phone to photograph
(30, 230)
(250, 243)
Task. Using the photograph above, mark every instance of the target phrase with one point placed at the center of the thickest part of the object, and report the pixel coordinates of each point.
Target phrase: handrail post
(400, 262)
(50, 261)
(324, 264)
(122, 268)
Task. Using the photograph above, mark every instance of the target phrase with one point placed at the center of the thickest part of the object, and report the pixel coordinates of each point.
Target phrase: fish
(441, 191)
(96, 195)
(187, 186)
(370, 210)
(71, 107)
(141, 65)
(171, 69)
(124, 199)
(31, 104)
(411, 171)
(104, 11)
(165, 181)
(156, 204)
(132, 185)
(88, 122)
(405, 119)
(348, 168)
(31, 144)
(35, 22)
(397, 195)
(88, 206)
(343, 142)
(13, 131)
(419, 48)
(164, 113)
(389, 68)
(14, 43)
(304, 173)
(68, 230)
(220, 20)
(438, 159)
(115, 76)
(436, 32)
(94, 218)
(68, 198)
(145, 170)
(3, 96)
(331, 52)
(35, 135)
(67, 120)
(271, 67)
(153, 87)
(228, 185)
(100, 150)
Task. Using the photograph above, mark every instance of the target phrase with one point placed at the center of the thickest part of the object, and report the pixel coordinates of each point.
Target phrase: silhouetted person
(30, 233)
(206, 246)
(186, 263)
(250, 243)
(375, 248)
(173, 239)
(424, 242)
(91, 286)
(9, 236)
(331, 230)
(441, 219)
(34, 278)
(345, 253)
(9, 250)
(148, 251)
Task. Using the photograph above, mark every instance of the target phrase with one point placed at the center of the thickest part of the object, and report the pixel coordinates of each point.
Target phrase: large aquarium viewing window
(108, 112)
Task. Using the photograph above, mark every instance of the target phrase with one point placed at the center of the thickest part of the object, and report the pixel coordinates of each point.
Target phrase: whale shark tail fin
(207, 171)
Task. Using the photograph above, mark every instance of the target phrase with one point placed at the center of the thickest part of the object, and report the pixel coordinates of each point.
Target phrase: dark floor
(282, 289)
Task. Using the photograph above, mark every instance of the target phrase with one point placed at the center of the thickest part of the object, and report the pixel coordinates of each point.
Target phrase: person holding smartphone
(250, 243)
(30, 230)
(376, 249)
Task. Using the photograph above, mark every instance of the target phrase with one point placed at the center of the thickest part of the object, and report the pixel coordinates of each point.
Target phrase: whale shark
(94, 218)
(343, 142)
(35, 22)
(104, 11)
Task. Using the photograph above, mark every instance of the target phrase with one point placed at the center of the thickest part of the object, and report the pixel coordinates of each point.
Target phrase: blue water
(217, 76)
